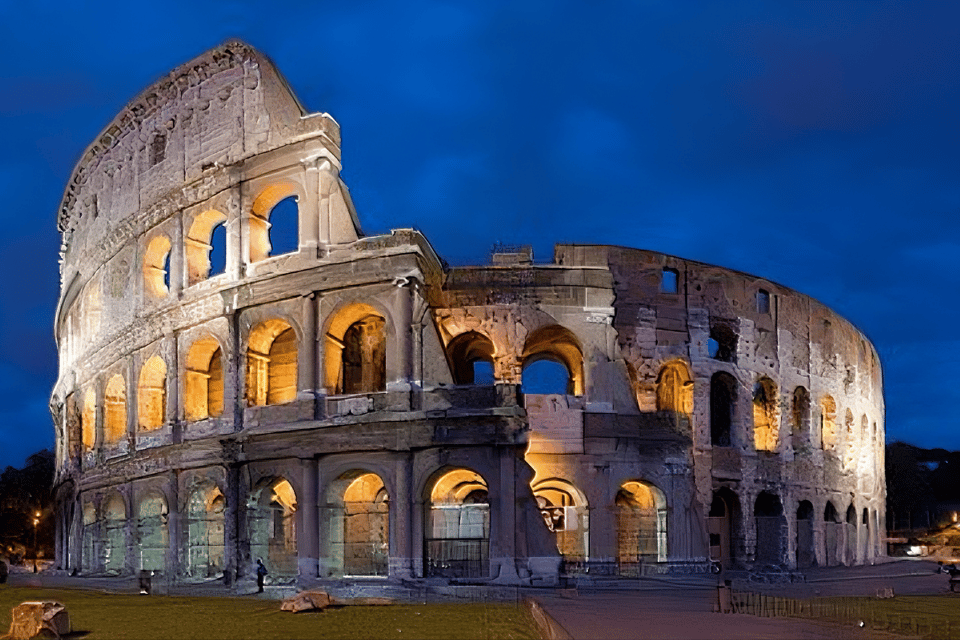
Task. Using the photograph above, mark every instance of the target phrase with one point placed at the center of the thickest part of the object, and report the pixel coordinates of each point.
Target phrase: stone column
(131, 534)
(172, 387)
(307, 351)
(233, 515)
(174, 533)
(308, 549)
(402, 507)
(309, 209)
(237, 239)
(503, 541)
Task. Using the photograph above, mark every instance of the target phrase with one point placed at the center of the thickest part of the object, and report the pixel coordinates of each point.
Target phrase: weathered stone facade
(352, 407)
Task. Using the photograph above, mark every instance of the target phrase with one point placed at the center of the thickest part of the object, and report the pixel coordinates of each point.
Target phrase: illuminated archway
(355, 353)
(151, 394)
(467, 353)
(115, 547)
(766, 421)
(359, 525)
(641, 525)
(203, 384)
(115, 414)
(205, 548)
(201, 243)
(272, 530)
(156, 267)
(271, 363)
(557, 344)
(457, 535)
(564, 510)
(260, 219)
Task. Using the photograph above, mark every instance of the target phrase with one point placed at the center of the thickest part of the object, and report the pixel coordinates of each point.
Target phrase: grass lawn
(132, 617)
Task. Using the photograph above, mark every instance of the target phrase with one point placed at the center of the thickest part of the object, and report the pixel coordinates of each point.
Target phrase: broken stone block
(306, 601)
(33, 619)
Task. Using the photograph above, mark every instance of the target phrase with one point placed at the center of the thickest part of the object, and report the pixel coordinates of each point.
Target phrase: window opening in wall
(559, 345)
(271, 364)
(723, 396)
(765, 422)
(800, 418)
(668, 280)
(545, 376)
(88, 420)
(364, 356)
(203, 396)
(156, 265)
(851, 445)
(828, 423)
(471, 358)
(151, 394)
(806, 556)
(284, 222)
(205, 246)
(114, 551)
(713, 347)
(218, 250)
(832, 535)
(726, 342)
(153, 538)
(115, 418)
(483, 372)
(763, 301)
(724, 527)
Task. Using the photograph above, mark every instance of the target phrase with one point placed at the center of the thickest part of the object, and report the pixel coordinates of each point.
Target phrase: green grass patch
(135, 617)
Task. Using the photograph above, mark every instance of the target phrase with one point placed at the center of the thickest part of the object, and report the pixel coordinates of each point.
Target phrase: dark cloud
(811, 143)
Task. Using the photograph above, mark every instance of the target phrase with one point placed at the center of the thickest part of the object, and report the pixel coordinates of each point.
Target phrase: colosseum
(346, 406)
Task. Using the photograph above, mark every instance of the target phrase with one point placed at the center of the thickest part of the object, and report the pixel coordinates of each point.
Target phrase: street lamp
(36, 521)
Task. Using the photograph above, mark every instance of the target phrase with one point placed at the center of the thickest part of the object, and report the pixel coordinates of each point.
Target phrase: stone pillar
(307, 351)
(310, 232)
(174, 533)
(308, 548)
(237, 239)
(233, 514)
(172, 388)
(416, 517)
(503, 541)
(177, 274)
(402, 507)
(131, 533)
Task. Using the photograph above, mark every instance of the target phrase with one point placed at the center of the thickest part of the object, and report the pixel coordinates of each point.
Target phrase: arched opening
(203, 384)
(152, 536)
(724, 527)
(272, 529)
(156, 271)
(457, 540)
(806, 556)
(545, 376)
(274, 222)
(851, 445)
(771, 529)
(564, 510)
(205, 246)
(675, 392)
(722, 344)
(828, 423)
(800, 419)
(271, 364)
(115, 547)
(641, 526)
(151, 394)
(355, 357)
(359, 525)
(115, 418)
(863, 447)
(723, 399)
(88, 420)
(765, 419)
(832, 535)
(88, 553)
(851, 536)
(558, 345)
(205, 549)
(466, 352)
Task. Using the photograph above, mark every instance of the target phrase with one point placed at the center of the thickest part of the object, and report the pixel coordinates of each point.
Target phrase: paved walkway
(666, 609)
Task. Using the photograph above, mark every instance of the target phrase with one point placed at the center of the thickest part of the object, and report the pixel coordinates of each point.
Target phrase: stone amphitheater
(244, 374)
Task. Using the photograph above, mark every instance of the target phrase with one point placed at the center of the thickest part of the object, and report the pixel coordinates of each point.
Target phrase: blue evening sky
(814, 143)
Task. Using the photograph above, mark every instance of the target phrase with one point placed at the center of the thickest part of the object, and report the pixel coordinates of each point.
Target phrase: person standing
(261, 574)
